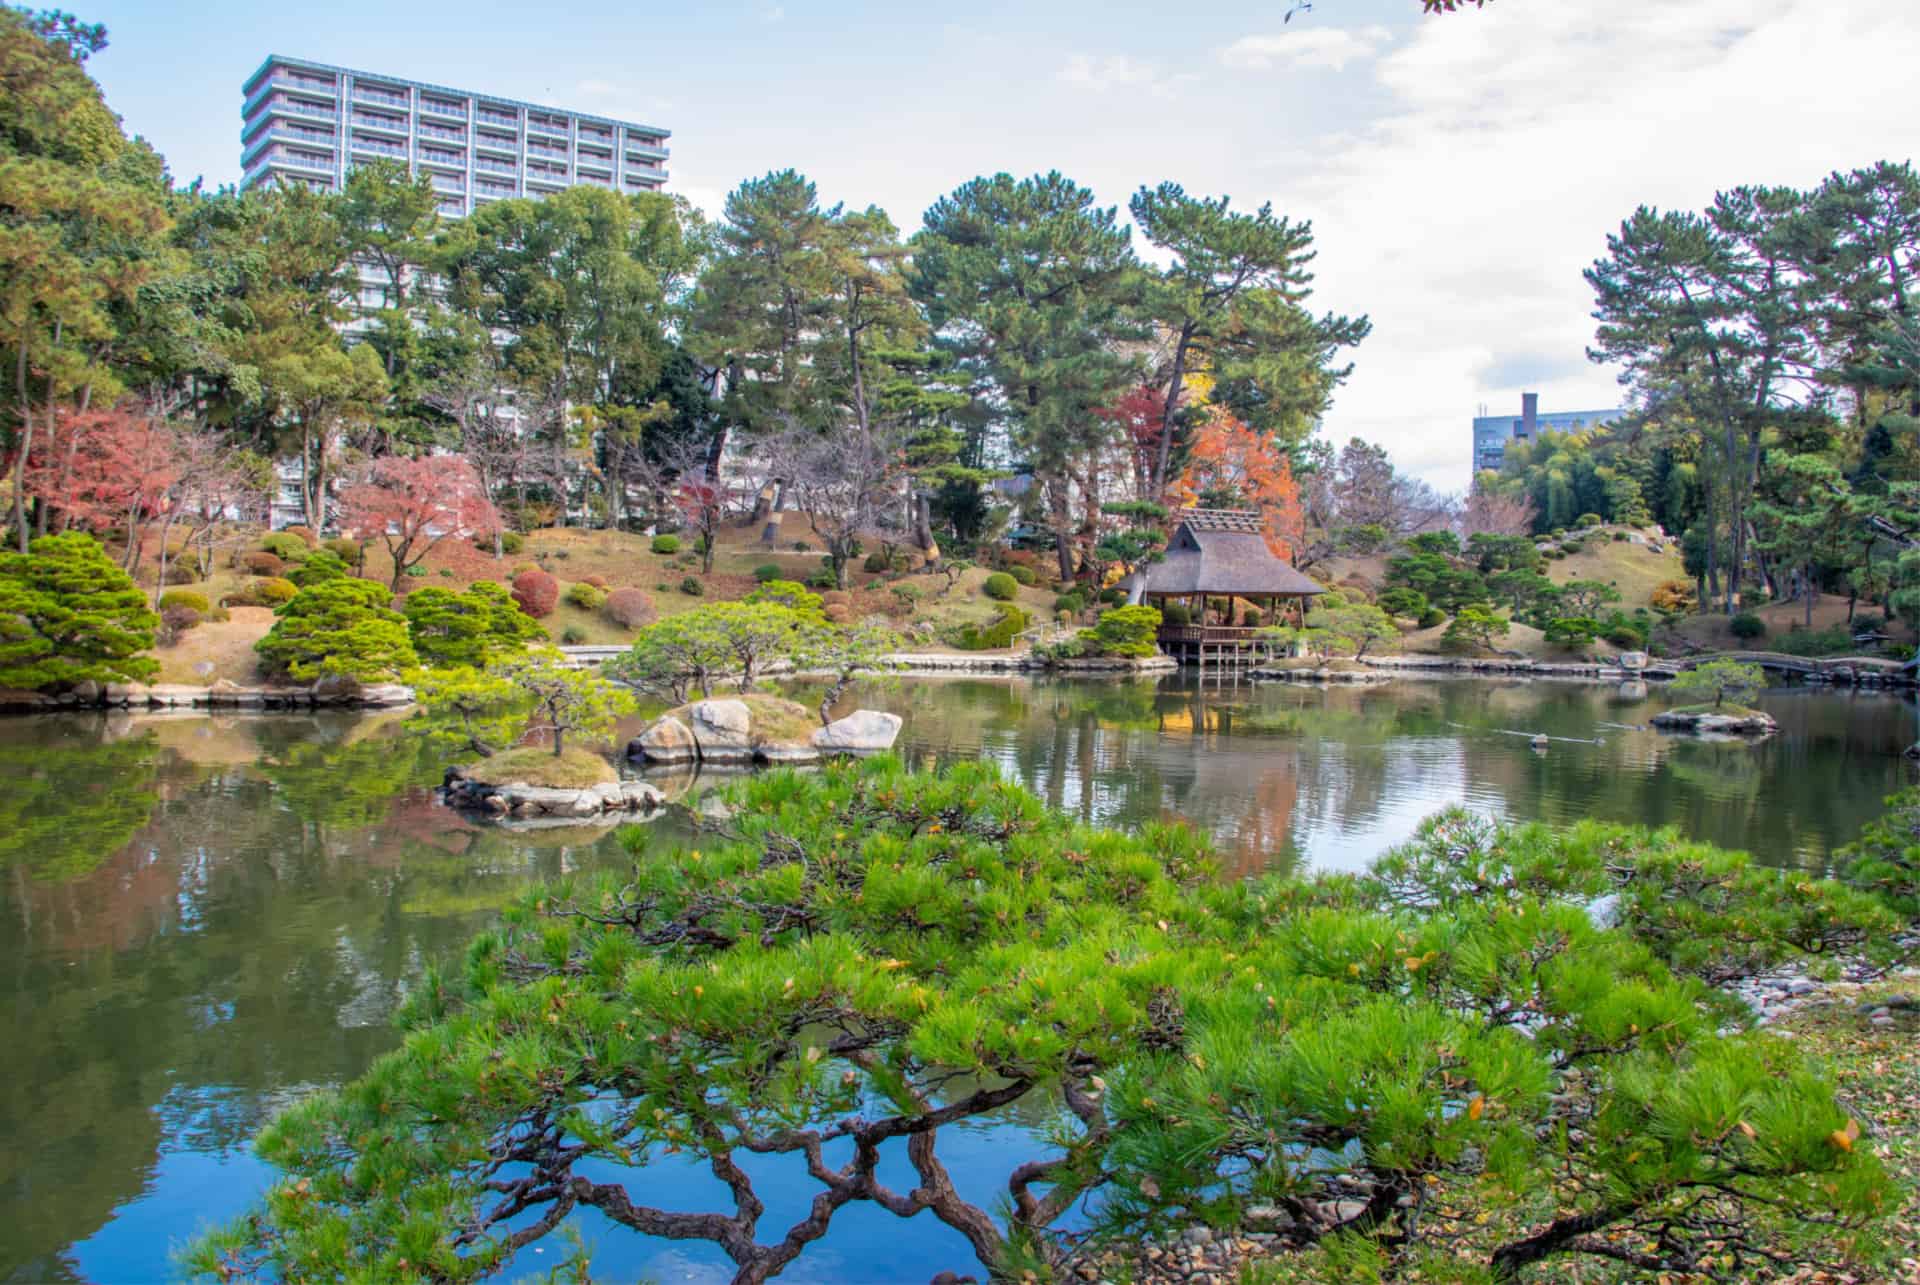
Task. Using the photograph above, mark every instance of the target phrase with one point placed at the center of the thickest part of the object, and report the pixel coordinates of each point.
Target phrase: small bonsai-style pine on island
(1727, 685)
(535, 699)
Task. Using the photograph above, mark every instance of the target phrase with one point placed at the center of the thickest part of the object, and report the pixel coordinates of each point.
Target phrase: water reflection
(204, 918)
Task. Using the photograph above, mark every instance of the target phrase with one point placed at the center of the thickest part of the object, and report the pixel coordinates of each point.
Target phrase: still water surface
(205, 918)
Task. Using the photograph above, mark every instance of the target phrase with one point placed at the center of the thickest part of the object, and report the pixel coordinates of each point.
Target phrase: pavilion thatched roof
(1221, 552)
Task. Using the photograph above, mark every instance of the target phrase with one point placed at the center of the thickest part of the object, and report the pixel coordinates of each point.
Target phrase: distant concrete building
(308, 123)
(1491, 433)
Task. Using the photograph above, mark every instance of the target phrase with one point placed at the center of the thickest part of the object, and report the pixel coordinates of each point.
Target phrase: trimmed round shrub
(522, 568)
(1627, 638)
(630, 608)
(176, 620)
(1025, 574)
(666, 544)
(1747, 625)
(692, 587)
(302, 532)
(262, 563)
(268, 591)
(1177, 613)
(536, 592)
(185, 598)
(587, 597)
(511, 542)
(836, 598)
(1001, 587)
(183, 571)
(573, 635)
(877, 563)
(838, 614)
(1430, 617)
(598, 582)
(286, 546)
(563, 554)
(767, 571)
(1114, 596)
(1071, 603)
(1589, 520)
(348, 551)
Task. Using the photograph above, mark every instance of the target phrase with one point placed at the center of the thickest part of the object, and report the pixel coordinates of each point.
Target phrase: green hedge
(1010, 624)
(1000, 586)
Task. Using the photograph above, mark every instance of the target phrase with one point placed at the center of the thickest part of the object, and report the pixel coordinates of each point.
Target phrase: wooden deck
(1217, 645)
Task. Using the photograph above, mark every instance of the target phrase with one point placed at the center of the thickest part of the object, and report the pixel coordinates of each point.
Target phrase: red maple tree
(1232, 465)
(1139, 415)
(103, 468)
(414, 504)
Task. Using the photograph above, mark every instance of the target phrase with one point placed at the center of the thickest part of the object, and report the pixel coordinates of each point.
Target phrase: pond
(205, 918)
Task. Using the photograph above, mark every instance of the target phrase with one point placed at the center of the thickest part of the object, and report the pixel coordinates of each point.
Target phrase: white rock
(723, 729)
(863, 731)
(666, 740)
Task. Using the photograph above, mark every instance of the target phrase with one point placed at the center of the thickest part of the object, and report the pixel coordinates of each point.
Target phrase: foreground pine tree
(868, 957)
(69, 614)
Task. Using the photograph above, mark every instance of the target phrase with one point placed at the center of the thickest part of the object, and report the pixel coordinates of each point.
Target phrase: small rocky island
(531, 783)
(1709, 720)
(754, 728)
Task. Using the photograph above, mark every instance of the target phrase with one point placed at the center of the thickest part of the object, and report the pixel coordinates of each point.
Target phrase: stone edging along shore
(224, 694)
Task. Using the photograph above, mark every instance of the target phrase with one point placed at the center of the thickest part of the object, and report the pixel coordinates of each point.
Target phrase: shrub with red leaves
(262, 563)
(630, 608)
(536, 592)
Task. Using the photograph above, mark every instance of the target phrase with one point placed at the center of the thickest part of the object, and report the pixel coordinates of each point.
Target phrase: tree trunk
(25, 444)
(923, 528)
(1159, 492)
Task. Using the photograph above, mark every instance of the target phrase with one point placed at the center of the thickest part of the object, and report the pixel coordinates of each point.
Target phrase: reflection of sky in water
(206, 959)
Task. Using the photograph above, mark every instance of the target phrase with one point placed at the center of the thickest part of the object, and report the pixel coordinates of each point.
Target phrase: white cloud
(1329, 47)
(1517, 138)
(1115, 71)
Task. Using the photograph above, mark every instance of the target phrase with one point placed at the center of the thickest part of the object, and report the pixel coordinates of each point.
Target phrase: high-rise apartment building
(309, 123)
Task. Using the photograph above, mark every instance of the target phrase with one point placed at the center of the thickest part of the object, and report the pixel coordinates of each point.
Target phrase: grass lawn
(215, 649)
(538, 765)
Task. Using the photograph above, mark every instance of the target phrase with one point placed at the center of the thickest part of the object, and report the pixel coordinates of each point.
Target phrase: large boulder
(1633, 660)
(723, 729)
(666, 740)
(864, 731)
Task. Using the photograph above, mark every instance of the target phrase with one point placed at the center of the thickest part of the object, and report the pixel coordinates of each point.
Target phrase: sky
(1459, 171)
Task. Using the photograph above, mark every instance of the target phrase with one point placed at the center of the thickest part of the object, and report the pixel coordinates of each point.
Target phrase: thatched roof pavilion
(1220, 553)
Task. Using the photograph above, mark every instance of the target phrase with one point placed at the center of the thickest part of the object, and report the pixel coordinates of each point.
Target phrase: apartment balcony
(441, 107)
(546, 153)
(598, 164)
(649, 148)
(453, 209)
(284, 107)
(440, 131)
(547, 179)
(292, 83)
(299, 165)
(434, 158)
(448, 185)
(650, 173)
(493, 116)
(488, 165)
(388, 97)
(596, 181)
(282, 132)
(537, 125)
(497, 191)
(494, 143)
(394, 125)
(378, 147)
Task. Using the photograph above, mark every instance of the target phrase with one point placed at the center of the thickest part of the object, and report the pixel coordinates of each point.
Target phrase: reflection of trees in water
(69, 801)
(241, 930)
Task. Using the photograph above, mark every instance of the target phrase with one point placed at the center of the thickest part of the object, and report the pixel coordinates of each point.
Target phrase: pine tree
(68, 615)
(339, 628)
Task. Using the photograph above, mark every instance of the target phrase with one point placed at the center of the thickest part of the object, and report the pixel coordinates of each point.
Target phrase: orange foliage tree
(101, 469)
(1234, 466)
